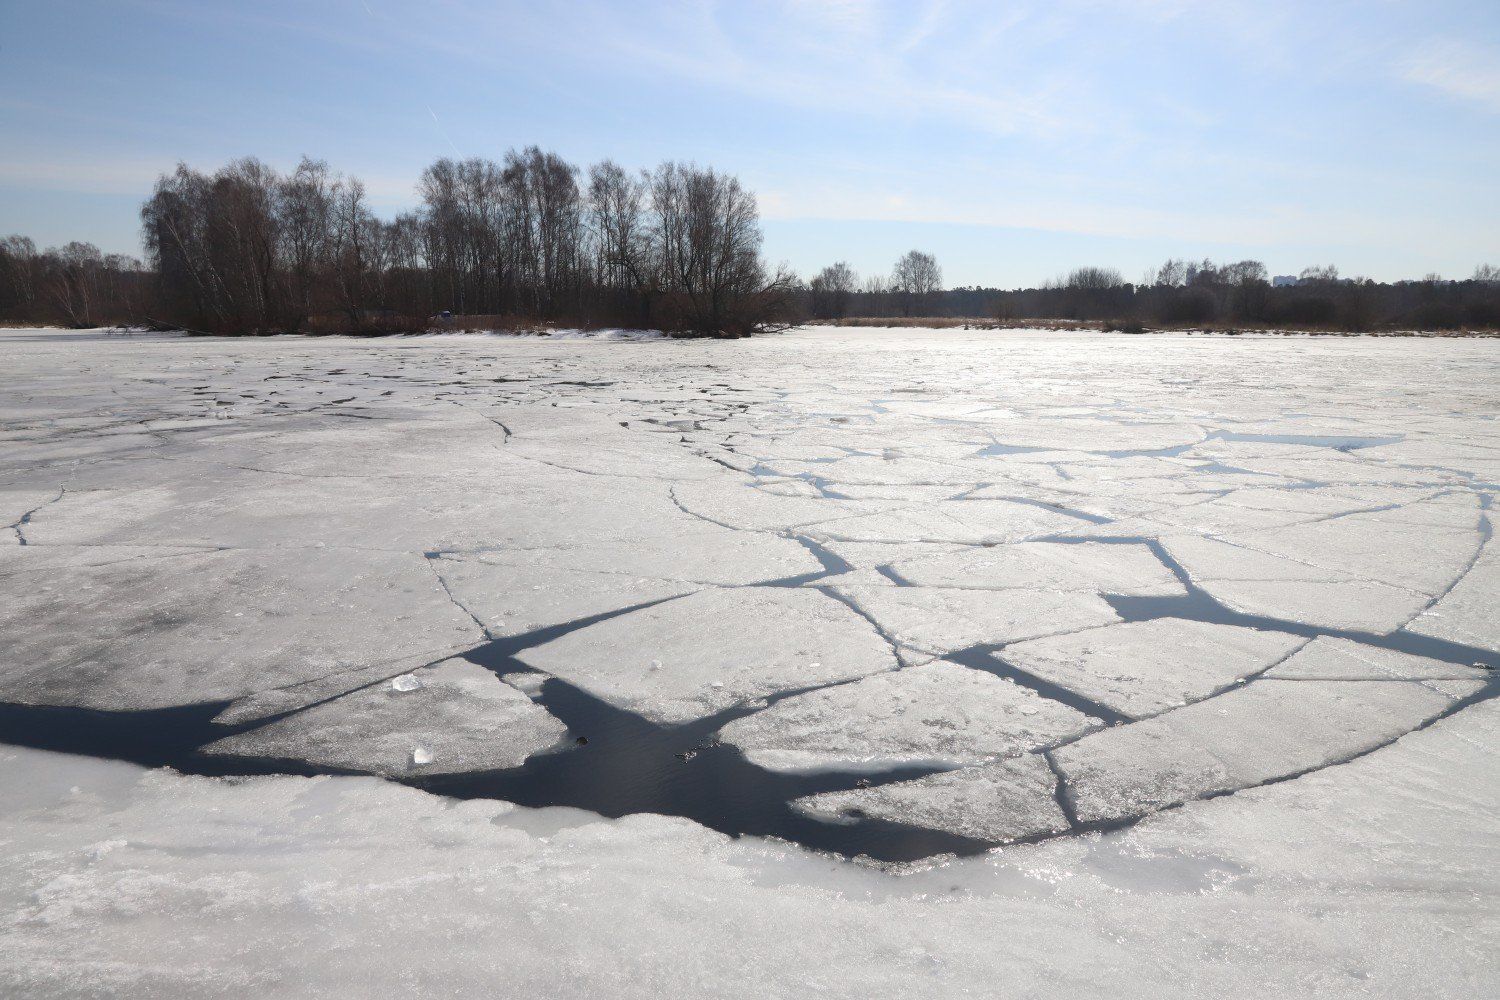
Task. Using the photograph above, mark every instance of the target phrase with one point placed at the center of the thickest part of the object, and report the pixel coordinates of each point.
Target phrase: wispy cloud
(1460, 69)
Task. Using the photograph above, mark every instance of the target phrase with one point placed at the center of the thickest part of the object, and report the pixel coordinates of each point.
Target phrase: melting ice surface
(1162, 636)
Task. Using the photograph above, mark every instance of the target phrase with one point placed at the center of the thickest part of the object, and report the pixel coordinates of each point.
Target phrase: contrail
(442, 130)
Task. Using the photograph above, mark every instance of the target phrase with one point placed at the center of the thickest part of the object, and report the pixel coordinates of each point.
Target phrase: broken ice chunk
(1008, 800)
(406, 682)
(1340, 660)
(1107, 567)
(1467, 613)
(925, 622)
(717, 648)
(459, 714)
(1264, 731)
(940, 712)
(1140, 668)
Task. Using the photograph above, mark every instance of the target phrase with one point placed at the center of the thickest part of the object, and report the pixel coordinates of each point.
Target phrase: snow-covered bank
(1375, 879)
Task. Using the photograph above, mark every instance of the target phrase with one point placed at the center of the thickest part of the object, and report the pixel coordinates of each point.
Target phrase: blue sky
(1012, 139)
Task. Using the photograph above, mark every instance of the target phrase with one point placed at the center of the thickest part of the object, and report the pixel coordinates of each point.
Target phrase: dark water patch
(832, 563)
(617, 763)
(159, 737)
(613, 762)
(19, 527)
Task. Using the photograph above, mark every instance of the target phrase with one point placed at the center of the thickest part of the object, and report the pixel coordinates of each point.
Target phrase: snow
(849, 551)
(1371, 879)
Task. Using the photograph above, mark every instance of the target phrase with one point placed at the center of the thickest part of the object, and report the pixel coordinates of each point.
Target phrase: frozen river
(832, 663)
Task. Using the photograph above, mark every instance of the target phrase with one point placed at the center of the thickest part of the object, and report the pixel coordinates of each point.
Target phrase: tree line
(1178, 293)
(531, 239)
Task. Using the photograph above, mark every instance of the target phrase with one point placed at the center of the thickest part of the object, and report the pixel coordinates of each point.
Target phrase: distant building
(1284, 281)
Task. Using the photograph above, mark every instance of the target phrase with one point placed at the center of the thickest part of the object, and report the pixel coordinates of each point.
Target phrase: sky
(1013, 140)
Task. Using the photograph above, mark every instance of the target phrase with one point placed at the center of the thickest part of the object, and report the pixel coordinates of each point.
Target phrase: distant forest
(1183, 294)
(534, 241)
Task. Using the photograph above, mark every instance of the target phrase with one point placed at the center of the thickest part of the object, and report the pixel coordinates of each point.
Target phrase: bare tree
(354, 250)
(18, 276)
(246, 249)
(1172, 274)
(1319, 275)
(306, 202)
(547, 206)
(915, 278)
(708, 240)
(831, 289)
(1093, 278)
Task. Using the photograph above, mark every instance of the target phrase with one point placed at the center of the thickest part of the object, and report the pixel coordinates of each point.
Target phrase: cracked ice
(1146, 610)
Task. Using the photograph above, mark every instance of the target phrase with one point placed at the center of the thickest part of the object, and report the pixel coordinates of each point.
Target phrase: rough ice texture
(697, 655)
(1340, 659)
(293, 697)
(1357, 605)
(1089, 566)
(1007, 800)
(939, 712)
(1468, 613)
(1398, 552)
(925, 622)
(972, 522)
(516, 594)
(1264, 731)
(1142, 668)
(282, 522)
(458, 717)
(213, 625)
